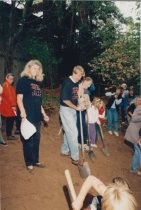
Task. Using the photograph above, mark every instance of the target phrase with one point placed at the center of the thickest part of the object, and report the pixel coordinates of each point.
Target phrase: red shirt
(101, 111)
(9, 100)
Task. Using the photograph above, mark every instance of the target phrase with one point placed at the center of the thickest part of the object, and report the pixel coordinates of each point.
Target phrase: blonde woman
(30, 105)
(115, 196)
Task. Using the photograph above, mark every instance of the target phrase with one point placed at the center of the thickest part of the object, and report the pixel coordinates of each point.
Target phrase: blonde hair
(118, 197)
(121, 182)
(88, 79)
(101, 102)
(77, 69)
(96, 102)
(26, 71)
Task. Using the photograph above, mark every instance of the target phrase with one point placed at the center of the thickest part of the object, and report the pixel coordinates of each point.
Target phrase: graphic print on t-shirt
(74, 93)
(36, 91)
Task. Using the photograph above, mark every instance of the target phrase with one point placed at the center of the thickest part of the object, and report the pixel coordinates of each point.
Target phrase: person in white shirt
(93, 118)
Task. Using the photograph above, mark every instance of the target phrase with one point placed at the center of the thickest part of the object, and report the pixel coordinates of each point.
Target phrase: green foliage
(120, 62)
(40, 50)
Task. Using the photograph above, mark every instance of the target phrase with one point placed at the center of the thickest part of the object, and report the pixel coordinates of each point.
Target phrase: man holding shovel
(68, 108)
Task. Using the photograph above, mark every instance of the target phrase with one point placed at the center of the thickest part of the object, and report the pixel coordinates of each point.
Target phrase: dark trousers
(84, 127)
(9, 125)
(31, 147)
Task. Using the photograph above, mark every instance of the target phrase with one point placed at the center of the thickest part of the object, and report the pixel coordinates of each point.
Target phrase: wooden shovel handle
(70, 184)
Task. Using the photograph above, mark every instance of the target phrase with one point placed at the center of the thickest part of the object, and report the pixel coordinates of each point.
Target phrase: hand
(23, 115)
(76, 205)
(115, 96)
(14, 110)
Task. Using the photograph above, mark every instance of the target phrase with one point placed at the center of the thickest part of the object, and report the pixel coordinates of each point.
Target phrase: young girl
(115, 196)
(101, 111)
(93, 118)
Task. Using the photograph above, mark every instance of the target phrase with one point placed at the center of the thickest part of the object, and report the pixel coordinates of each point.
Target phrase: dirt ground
(45, 188)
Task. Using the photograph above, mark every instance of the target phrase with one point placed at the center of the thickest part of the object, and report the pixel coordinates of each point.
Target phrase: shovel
(104, 149)
(83, 167)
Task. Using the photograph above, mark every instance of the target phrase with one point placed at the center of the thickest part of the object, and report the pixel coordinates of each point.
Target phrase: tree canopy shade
(68, 34)
(121, 62)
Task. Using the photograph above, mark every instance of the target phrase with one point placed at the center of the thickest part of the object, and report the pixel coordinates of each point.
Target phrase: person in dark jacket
(112, 110)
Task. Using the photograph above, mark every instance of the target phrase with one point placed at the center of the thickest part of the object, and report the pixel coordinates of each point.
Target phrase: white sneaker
(30, 167)
(110, 132)
(94, 145)
(116, 133)
(86, 147)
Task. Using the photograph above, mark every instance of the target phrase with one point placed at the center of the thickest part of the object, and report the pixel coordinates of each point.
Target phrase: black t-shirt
(69, 92)
(32, 101)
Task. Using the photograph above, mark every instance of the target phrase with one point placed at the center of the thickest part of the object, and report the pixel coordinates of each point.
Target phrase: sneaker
(3, 144)
(136, 172)
(40, 165)
(65, 155)
(11, 138)
(116, 133)
(110, 132)
(86, 147)
(94, 145)
(30, 168)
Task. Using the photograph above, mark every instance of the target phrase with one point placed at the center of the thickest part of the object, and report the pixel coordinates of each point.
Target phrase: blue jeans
(136, 160)
(69, 118)
(31, 147)
(112, 116)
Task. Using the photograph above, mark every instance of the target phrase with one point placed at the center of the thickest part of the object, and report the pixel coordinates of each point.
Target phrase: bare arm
(70, 104)
(90, 182)
(46, 118)
(21, 106)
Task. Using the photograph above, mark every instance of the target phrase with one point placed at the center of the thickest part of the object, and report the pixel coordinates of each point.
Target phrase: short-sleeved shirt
(32, 101)
(69, 91)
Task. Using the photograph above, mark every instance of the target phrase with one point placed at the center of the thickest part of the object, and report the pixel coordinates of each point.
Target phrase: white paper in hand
(27, 129)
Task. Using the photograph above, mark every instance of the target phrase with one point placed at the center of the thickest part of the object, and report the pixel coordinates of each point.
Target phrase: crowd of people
(82, 116)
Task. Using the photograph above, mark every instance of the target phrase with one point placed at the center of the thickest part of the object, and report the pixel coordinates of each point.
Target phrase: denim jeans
(69, 118)
(84, 126)
(136, 160)
(112, 119)
(31, 147)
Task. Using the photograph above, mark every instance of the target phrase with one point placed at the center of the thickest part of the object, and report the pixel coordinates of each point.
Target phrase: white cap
(27, 129)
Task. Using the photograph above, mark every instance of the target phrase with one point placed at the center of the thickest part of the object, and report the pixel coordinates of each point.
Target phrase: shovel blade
(91, 155)
(105, 151)
(84, 170)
